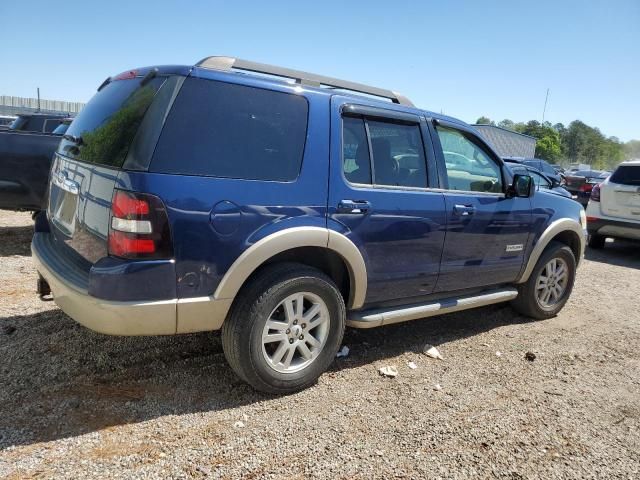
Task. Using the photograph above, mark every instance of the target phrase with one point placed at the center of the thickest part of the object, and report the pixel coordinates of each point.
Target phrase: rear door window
(233, 131)
(104, 129)
(396, 157)
(355, 151)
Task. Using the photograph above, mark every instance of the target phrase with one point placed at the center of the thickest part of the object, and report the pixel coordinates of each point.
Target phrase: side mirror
(554, 182)
(522, 186)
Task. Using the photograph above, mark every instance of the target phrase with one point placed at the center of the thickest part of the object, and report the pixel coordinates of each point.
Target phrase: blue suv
(280, 207)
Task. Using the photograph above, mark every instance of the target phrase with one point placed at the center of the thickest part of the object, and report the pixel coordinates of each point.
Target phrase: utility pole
(544, 110)
(38, 99)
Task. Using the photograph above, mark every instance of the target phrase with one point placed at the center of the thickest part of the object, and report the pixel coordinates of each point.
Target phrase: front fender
(554, 229)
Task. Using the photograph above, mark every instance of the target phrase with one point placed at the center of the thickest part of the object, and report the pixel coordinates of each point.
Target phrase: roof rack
(303, 78)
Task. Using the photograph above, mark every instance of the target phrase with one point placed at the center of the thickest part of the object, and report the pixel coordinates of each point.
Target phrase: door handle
(464, 210)
(354, 206)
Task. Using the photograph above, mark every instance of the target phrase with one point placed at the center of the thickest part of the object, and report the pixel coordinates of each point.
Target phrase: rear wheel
(596, 241)
(550, 283)
(285, 328)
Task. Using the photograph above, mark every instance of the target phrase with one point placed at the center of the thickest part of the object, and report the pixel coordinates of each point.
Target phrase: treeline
(575, 143)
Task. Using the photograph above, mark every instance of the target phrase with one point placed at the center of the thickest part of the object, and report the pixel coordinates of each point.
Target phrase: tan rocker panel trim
(291, 238)
(552, 230)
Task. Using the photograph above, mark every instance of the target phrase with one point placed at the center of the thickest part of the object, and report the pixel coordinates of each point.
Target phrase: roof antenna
(545, 105)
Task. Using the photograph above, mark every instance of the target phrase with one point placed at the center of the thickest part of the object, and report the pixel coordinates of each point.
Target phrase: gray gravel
(77, 404)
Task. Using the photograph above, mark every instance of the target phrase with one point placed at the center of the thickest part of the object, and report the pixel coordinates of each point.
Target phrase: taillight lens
(586, 187)
(595, 193)
(138, 227)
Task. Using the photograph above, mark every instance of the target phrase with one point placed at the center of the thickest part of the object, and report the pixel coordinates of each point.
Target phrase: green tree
(508, 124)
(484, 121)
(585, 144)
(548, 145)
(632, 149)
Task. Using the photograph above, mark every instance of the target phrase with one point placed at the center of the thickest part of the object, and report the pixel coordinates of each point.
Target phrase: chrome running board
(379, 317)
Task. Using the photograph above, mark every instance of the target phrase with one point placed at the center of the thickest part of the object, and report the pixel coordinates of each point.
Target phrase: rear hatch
(620, 196)
(91, 154)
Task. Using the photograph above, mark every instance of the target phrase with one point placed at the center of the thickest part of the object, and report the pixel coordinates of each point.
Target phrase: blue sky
(464, 58)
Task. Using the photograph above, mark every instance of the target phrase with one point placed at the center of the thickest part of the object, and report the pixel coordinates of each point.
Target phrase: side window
(355, 151)
(50, 125)
(397, 153)
(469, 167)
(226, 130)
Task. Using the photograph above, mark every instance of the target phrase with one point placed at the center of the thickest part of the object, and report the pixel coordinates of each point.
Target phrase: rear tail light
(139, 227)
(595, 193)
(586, 187)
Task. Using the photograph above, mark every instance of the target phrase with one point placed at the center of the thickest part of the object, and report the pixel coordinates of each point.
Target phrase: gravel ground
(76, 404)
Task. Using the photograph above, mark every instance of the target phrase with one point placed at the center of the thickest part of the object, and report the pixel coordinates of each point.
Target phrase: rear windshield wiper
(148, 77)
(73, 139)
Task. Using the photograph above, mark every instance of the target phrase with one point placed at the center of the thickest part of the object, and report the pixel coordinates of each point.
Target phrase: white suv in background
(614, 207)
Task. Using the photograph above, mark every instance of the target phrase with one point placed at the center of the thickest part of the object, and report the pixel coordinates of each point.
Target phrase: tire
(596, 241)
(266, 298)
(528, 301)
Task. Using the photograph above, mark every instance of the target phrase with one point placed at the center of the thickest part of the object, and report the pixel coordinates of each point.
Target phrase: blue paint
(414, 241)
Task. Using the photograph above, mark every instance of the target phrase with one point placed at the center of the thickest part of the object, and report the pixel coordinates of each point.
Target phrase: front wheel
(550, 283)
(285, 328)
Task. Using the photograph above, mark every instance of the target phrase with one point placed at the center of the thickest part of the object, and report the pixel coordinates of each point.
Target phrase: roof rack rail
(303, 78)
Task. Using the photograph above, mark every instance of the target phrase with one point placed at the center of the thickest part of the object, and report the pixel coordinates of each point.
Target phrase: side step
(379, 317)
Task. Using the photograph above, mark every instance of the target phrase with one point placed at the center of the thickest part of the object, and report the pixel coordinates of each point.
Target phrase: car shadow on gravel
(623, 253)
(369, 346)
(15, 241)
(60, 380)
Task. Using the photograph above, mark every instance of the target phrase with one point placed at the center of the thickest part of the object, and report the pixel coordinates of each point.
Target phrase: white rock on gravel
(431, 351)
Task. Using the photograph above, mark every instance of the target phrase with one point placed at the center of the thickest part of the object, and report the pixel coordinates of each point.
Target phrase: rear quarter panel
(214, 220)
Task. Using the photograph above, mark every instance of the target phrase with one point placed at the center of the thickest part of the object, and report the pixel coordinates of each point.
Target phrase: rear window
(104, 129)
(225, 130)
(626, 175)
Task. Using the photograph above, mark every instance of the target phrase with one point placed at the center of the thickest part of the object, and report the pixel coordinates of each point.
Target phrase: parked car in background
(581, 182)
(541, 181)
(541, 165)
(37, 122)
(614, 208)
(282, 212)
(25, 161)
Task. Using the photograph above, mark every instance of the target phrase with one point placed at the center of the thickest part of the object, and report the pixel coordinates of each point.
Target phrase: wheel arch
(566, 231)
(322, 248)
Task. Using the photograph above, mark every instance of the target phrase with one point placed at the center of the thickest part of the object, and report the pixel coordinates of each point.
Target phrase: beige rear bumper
(165, 317)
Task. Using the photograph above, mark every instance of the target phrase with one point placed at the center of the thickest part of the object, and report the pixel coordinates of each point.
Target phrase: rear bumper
(613, 228)
(161, 317)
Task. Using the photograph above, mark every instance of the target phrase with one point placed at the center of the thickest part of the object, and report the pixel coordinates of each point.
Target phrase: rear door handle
(464, 210)
(354, 206)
